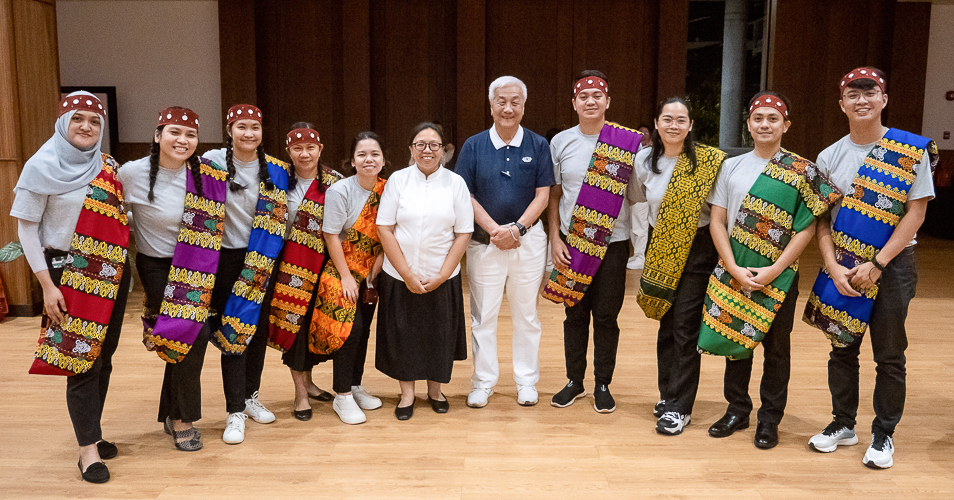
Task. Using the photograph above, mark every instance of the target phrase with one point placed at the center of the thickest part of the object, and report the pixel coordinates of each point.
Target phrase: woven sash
(298, 271)
(334, 314)
(868, 214)
(785, 199)
(185, 302)
(675, 229)
(595, 213)
(240, 318)
(90, 282)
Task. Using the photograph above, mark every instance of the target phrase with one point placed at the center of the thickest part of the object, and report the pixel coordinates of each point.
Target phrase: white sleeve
(923, 186)
(387, 209)
(463, 209)
(29, 233)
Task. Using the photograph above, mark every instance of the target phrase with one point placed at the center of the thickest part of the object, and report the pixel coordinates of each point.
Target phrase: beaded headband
(770, 101)
(863, 73)
(82, 102)
(243, 112)
(179, 116)
(591, 82)
(300, 135)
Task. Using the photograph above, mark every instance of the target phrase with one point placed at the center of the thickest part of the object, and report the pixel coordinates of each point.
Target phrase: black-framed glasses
(433, 146)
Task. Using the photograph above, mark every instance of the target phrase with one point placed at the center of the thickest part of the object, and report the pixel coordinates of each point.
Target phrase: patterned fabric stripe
(786, 197)
(185, 303)
(334, 314)
(243, 309)
(594, 216)
(871, 209)
(675, 229)
(90, 282)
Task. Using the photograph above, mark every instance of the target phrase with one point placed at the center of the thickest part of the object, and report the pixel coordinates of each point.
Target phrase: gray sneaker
(832, 437)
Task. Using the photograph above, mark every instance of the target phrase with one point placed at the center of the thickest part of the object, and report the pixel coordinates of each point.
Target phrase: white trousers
(640, 221)
(519, 271)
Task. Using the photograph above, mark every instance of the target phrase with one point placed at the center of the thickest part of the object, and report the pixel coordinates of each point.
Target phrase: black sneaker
(570, 393)
(604, 402)
(660, 408)
(671, 423)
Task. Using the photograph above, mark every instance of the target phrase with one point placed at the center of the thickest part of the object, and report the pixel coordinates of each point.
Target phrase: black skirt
(420, 336)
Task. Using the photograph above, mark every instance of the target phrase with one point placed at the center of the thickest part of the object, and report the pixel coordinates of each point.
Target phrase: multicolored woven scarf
(242, 311)
(298, 271)
(595, 213)
(90, 282)
(185, 303)
(675, 229)
(868, 214)
(785, 199)
(334, 314)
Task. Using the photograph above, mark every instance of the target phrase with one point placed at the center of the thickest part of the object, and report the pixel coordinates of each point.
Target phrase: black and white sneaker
(672, 423)
(832, 437)
(603, 400)
(570, 393)
(660, 408)
(879, 454)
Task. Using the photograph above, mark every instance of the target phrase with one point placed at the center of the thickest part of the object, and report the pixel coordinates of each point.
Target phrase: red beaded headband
(770, 101)
(179, 116)
(591, 82)
(300, 135)
(82, 102)
(243, 112)
(863, 73)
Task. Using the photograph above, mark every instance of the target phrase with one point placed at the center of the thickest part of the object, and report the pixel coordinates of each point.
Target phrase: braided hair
(193, 162)
(688, 144)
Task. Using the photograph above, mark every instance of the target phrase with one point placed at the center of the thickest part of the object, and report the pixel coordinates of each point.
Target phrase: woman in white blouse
(424, 221)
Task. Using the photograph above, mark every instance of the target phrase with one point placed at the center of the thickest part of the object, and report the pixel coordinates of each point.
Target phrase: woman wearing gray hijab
(68, 194)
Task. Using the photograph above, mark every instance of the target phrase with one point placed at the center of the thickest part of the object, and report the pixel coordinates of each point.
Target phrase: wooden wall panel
(909, 67)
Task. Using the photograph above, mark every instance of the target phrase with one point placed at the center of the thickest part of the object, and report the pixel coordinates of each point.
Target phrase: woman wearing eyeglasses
(425, 220)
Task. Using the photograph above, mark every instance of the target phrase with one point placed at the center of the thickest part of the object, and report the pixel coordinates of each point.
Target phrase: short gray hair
(503, 81)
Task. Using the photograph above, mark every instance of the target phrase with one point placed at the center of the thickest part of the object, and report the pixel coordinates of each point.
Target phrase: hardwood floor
(502, 450)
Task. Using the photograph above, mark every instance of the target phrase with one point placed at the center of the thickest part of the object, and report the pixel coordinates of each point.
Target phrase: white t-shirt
(344, 202)
(426, 212)
(294, 200)
(737, 177)
(56, 214)
(239, 205)
(841, 161)
(651, 187)
(572, 151)
(155, 224)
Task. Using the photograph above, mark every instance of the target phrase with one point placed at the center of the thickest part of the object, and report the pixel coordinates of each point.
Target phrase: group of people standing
(238, 248)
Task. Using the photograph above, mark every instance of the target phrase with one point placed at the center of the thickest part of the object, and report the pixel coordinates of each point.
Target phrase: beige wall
(939, 112)
(156, 54)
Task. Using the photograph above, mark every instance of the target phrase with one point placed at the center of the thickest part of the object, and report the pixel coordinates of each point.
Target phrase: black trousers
(677, 354)
(776, 368)
(348, 365)
(603, 300)
(241, 374)
(181, 394)
(86, 392)
(888, 341)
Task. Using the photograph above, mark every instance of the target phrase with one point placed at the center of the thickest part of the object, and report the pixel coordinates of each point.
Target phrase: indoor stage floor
(502, 450)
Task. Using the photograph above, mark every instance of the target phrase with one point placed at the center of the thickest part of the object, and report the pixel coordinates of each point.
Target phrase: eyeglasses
(667, 121)
(855, 96)
(434, 146)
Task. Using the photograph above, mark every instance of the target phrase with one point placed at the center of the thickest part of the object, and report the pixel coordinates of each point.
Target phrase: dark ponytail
(688, 144)
(230, 167)
(194, 168)
(263, 169)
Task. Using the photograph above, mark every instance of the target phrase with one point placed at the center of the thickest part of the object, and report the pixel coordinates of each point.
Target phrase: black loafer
(96, 472)
(439, 406)
(404, 413)
(727, 425)
(322, 396)
(107, 450)
(303, 415)
(766, 435)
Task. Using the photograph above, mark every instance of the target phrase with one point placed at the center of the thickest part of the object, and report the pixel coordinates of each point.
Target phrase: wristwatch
(521, 227)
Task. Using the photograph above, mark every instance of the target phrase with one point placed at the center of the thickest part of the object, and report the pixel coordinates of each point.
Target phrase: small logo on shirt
(527, 159)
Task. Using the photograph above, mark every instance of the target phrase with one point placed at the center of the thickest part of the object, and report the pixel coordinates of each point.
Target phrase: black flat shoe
(727, 425)
(404, 413)
(322, 396)
(766, 435)
(107, 450)
(303, 415)
(96, 472)
(439, 406)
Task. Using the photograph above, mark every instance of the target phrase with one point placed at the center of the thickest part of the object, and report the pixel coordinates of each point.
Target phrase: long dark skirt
(420, 336)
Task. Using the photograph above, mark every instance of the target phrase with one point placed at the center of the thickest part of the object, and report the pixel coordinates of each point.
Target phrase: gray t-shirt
(841, 161)
(155, 224)
(344, 202)
(571, 151)
(294, 201)
(239, 205)
(56, 214)
(736, 179)
(651, 187)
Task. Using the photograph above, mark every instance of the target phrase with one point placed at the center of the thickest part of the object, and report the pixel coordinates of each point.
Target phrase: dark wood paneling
(472, 78)
(909, 67)
(237, 58)
(671, 56)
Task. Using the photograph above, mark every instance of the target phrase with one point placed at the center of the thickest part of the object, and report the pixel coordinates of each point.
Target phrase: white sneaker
(257, 410)
(365, 400)
(672, 423)
(832, 437)
(235, 428)
(526, 395)
(879, 454)
(478, 397)
(348, 410)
